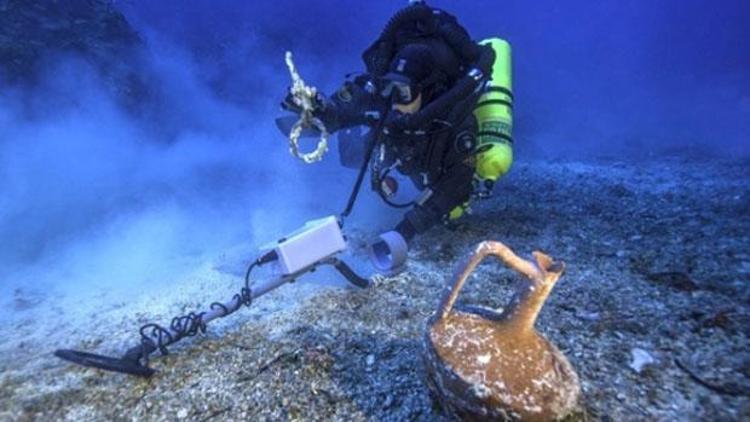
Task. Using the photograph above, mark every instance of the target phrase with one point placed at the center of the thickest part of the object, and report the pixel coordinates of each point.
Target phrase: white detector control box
(316, 240)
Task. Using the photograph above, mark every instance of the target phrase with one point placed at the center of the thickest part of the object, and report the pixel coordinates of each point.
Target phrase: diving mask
(399, 92)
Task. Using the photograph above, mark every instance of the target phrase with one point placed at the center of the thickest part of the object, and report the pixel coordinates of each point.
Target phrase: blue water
(610, 77)
(92, 194)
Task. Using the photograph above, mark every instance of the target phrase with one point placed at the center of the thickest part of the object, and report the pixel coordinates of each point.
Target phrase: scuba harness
(454, 53)
(462, 65)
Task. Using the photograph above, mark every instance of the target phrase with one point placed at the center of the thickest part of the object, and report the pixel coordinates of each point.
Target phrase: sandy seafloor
(658, 264)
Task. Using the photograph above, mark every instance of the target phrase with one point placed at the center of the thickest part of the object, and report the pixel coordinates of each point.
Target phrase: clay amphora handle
(484, 249)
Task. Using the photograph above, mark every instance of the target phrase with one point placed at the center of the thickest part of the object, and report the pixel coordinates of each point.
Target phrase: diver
(438, 106)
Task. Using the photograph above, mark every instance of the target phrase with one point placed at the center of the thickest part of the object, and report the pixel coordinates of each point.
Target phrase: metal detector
(314, 245)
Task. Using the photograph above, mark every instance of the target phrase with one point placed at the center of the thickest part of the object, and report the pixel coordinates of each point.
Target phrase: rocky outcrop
(33, 33)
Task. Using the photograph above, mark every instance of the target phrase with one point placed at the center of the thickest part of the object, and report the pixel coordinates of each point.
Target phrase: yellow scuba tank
(494, 113)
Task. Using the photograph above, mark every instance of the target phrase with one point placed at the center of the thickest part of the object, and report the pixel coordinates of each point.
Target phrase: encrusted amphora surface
(485, 365)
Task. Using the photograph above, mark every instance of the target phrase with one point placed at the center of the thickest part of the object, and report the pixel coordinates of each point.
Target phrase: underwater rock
(485, 365)
(640, 358)
(34, 34)
(24, 300)
(674, 279)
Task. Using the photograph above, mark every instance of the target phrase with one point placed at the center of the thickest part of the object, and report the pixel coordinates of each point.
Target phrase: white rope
(303, 96)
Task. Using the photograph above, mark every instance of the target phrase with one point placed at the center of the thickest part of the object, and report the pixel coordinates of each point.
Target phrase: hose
(463, 89)
(460, 41)
(377, 57)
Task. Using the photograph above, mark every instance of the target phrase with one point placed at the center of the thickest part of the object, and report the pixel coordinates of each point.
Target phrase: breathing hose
(463, 89)
(386, 42)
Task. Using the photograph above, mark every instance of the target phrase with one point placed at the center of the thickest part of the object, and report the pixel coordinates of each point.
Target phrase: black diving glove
(396, 122)
(288, 104)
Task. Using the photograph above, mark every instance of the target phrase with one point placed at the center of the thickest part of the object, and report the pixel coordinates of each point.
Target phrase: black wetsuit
(434, 147)
(437, 158)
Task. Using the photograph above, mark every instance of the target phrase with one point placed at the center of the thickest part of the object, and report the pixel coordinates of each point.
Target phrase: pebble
(388, 401)
(588, 316)
(374, 392)
(641, 358)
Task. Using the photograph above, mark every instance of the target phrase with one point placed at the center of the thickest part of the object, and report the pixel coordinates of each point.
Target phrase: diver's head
(403, 84)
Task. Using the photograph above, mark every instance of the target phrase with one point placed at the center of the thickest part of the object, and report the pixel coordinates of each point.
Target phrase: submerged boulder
(34, 33)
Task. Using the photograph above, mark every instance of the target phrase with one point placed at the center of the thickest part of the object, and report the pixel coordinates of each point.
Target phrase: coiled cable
(157, 337)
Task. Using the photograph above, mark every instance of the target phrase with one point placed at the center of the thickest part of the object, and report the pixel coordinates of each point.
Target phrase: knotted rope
(304, 97)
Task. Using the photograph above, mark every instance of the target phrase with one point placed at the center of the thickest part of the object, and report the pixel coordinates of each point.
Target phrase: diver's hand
(289, 104)
(395, 122)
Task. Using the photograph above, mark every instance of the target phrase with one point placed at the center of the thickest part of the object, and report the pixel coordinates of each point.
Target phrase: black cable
(384, 196)
(244, 297)
(374, 141)
(157, 337)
